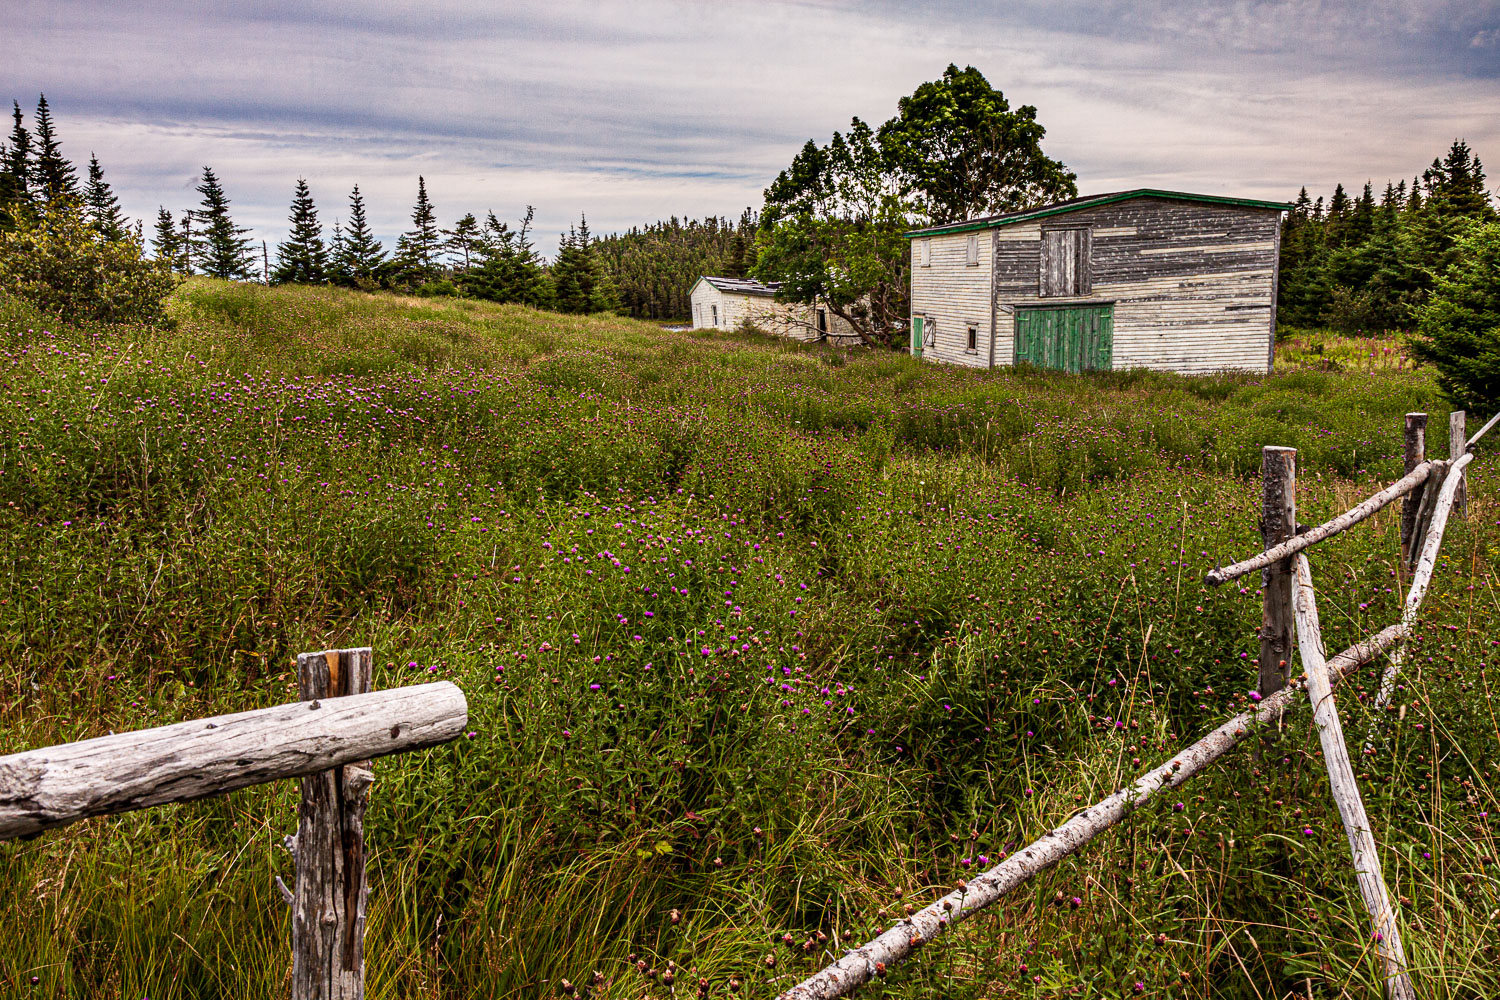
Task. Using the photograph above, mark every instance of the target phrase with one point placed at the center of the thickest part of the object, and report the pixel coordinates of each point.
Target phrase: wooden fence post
(328, 905)
(1386, 933)
(1278, 522)
(1457, 445)
(1416, 454)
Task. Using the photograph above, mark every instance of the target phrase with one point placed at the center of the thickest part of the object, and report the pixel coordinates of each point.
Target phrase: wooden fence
(327, 739)
(1429, 491)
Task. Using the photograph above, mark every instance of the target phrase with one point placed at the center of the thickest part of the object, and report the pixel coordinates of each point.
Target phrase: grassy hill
(778, 638)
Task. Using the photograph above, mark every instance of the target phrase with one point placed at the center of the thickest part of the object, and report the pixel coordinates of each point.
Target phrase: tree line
(1368, 263)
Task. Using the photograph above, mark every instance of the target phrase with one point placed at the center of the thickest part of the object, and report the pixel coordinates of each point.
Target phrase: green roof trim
(1075, 205)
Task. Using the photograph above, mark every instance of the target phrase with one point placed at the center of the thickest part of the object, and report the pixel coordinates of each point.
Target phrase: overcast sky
(632, 112)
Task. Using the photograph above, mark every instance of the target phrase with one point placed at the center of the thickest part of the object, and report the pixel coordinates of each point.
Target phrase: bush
(59, 263)
(1458, 331)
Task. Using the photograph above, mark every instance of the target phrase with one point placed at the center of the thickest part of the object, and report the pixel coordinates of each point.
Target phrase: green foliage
(302, 259)
(220, 248)
(832, 232)
(833, 223)
(359, 260)
(655, 267)
(965, 153)
(60, 263)
(1362, 265)
(416, 260)
(509, 269)
(56, 179)
(580, 281)
(1458, 329)
(103, 207)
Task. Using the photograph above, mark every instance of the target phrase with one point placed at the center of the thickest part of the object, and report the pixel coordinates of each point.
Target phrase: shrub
(1458, 330)
(60, 263)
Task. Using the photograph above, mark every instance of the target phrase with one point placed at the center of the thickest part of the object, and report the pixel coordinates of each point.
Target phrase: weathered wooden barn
(1133, 279)
(729, 303)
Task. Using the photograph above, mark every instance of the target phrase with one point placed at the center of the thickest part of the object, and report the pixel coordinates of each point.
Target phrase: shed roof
(740, 286)
(1090, 201)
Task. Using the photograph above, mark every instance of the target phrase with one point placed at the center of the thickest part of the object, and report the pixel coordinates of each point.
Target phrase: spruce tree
(55, 177)
(167, 241)
(17, 161)
(302, 258)
(219, 247)
(103, 206)
(361, 259)
(417, 248)
(463, 239)
(1456, 185)
(509, 269)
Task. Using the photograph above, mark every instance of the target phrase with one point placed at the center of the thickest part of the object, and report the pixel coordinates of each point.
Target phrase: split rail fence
(328, 739)
(1429, 491)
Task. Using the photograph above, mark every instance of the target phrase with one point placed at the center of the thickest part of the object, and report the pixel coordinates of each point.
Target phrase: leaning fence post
(1416, 454)
(1384, 929)
(328, 906)
(1278, 522)
(1457, 445)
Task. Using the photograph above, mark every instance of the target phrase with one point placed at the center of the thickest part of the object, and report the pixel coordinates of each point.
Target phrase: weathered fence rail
(1288, 611)
(328, 740)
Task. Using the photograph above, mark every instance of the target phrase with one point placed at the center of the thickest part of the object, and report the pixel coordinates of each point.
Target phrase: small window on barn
(716, 315)
(973, 258)
(822, 320)
(924, 252)
(1066, 268)
(972, 343)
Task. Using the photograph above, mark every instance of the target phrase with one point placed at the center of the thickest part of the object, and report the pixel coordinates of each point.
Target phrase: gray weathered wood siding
(952, 294)
(1192, 283)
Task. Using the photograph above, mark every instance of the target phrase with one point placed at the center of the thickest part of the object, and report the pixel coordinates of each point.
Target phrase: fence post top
(1277, 447)
(1416, 416)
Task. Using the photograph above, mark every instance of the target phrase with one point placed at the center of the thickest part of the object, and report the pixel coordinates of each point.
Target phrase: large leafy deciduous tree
(964, 152)
(833, 232)
(833, 228)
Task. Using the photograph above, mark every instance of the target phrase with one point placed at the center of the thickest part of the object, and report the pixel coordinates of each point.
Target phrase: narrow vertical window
(973, 258)
(973, 342)
(716, 315)
(925, 253)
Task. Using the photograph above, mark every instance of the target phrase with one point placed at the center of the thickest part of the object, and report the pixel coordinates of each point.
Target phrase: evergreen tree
(54, 176)
(569, 273)
(220, 248)
(463, 239)
(15, 164)
(167, 241)
(336, 273)
(103, 206)
(361, 259)
(1456, 185)
(509, 268)
(302, 258)
(417, 248)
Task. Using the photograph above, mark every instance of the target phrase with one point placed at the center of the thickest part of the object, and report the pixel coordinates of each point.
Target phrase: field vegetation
(761, 644)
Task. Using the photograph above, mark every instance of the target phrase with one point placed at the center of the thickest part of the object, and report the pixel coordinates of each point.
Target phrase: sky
(630, 112)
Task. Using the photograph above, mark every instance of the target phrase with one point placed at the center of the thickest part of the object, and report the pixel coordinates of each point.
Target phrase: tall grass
(781, 639)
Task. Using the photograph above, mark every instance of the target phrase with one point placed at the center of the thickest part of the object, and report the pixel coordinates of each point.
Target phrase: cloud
(635, 111)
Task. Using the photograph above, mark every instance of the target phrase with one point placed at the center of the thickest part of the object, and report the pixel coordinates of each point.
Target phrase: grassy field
(778, 638)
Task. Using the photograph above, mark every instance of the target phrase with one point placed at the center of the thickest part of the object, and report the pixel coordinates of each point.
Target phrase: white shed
(729, 303)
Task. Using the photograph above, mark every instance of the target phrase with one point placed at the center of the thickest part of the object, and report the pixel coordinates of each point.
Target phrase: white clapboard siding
(953, 294)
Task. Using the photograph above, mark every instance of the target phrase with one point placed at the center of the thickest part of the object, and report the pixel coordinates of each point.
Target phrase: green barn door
(916, 336)
(1070, 338)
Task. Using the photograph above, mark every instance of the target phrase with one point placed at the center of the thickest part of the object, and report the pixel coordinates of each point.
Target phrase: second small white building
(730, 303)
